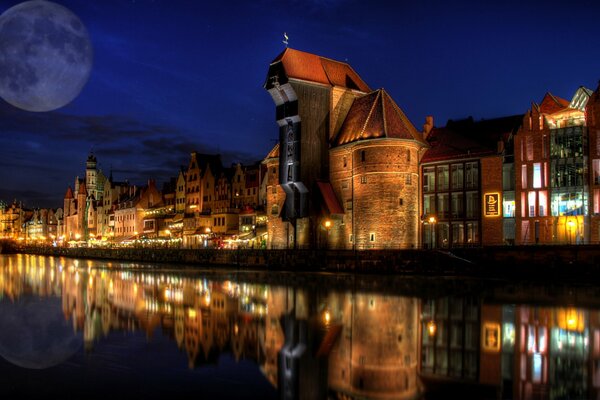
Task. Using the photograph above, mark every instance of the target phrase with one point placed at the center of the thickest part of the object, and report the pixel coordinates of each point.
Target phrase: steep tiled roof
(551, 104)
(311, 67)
(69, 194)
(376, 115)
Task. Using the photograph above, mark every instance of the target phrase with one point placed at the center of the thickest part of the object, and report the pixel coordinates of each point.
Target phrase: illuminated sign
(491, 206)
(491, 337)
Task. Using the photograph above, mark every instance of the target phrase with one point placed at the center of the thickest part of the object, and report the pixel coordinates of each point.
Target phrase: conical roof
(376, 115)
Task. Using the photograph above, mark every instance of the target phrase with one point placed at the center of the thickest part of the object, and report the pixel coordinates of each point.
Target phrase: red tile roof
(331, 201)
(467, 138)
(311, 67)
(69, 194)
(551, 104)
(376, 115)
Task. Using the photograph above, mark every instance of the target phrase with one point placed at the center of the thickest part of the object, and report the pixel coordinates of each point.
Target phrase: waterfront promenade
(581, 262)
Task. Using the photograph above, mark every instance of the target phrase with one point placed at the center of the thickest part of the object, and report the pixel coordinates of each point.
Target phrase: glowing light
(432, 220)
(191, 313)
(431, 328)
(327, 224)
(326, 317)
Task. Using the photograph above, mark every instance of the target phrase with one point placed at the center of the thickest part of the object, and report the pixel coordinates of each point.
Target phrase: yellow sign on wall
(492, 205)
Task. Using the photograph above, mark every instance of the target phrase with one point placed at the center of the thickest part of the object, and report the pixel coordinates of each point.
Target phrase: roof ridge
(370, 114)
(383, 114)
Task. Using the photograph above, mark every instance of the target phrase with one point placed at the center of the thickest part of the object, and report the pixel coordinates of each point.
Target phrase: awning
(331, 201)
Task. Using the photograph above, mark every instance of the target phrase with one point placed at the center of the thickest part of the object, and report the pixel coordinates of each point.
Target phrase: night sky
(174, 76)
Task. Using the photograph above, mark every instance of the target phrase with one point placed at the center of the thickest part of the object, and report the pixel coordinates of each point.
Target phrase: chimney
(428, 126)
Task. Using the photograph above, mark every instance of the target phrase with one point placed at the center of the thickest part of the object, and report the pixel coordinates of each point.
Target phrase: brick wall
(380, 195)
(491, 182)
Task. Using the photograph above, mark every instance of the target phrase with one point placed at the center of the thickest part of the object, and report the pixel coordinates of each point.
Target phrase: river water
(93, 329)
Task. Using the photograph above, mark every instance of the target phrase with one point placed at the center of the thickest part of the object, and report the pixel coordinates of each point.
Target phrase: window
(345, 184)
(371, 237)
(537, 175)
(429, 204)
(543, 203)
(428, 179)
(508, 176)
(348, 204)
(274, 209)
(442, 205)
(596, 170)
(471, 175)
(363, 179)
(596, 201)
(408, 179)
(345, 162)
(408, 155)
(531, 202)
(401, 202)
(524, 176)
(457, 205)
(472, 205)
(351, 238)
(442, 177)
(508, 205)
(362, 155)
(457, 176)
(529, 147)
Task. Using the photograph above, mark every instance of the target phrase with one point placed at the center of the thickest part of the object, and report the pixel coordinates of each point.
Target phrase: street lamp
(327, 225)
(570, 226)
(432, 222)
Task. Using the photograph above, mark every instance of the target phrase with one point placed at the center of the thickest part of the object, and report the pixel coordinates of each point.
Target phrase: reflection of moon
(34, 333)
(45, 56)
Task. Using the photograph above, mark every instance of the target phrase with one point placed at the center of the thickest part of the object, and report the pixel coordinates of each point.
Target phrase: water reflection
(311, 341)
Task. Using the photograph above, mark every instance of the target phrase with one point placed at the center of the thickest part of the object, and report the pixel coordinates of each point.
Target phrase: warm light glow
(570, 224)
(191, 313)
(135, 233)
(77, 236)
(432, 220)
(167, 232)
(326, 317)
(327, 223)
(431, 327)
(207, 230)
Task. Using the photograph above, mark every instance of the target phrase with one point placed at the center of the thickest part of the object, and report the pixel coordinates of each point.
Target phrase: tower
(91, 175)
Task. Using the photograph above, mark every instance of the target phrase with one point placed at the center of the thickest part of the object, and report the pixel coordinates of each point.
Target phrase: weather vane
(285, 39)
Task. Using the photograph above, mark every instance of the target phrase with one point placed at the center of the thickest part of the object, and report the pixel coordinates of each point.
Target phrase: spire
(69, 194)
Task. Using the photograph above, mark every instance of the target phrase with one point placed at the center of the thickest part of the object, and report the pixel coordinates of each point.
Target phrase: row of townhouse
(203, 206)
(351, 171)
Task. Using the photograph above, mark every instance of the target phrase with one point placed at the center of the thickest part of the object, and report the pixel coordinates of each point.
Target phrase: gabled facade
(551, 163)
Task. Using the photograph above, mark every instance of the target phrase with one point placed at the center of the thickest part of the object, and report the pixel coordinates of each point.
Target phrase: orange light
(431, 328)
(432, 220)
(327, 223)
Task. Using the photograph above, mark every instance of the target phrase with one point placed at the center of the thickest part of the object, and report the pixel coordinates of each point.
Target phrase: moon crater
(45, 56)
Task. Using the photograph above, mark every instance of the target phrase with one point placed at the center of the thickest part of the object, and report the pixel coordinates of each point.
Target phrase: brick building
(552, 160)
(348, 157)
(462, 182)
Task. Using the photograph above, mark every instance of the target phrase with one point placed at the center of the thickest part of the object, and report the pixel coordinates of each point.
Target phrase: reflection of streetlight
(432, 222)
(570, 225)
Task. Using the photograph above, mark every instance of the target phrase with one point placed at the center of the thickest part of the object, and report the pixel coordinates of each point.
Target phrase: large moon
(45, 56)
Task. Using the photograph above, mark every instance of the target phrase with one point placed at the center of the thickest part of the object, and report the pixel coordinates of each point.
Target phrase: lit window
(531, 199)
(537, 175)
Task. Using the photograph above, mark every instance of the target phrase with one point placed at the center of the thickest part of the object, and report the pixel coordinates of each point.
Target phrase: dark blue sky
(174, 76)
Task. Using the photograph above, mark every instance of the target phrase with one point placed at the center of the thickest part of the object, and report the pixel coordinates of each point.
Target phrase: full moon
(45, 56)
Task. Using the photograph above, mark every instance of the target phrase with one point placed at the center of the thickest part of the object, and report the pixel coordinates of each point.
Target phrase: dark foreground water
(90, 329)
